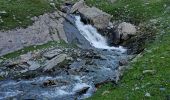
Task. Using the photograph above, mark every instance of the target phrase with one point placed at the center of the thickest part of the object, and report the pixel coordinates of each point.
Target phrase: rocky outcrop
(54, 62)
(92, 15)
(125, 30)
(47, 27)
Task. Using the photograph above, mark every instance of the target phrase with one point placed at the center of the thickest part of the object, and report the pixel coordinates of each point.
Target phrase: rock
(81, 88)
(125, 30)
(123, 62)
(1, 61)
(65, 9)
(49, 83)
(52, 53)
(33, 65)
(98, 18)
(46, 27)
(53, 62)
(149, 71)
(77, 6)
(147, 95)
(105, 93)
(95, 16)
(112, 1)
(3, 13)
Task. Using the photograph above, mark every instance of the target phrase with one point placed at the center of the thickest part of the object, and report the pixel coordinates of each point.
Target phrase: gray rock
(53, 62)
(97, 17)
(78, 6)
(47, 27)
(51, 54)
(33, 65)
(125, 30)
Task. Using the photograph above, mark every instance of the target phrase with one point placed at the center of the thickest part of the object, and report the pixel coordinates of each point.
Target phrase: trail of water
(95, 39)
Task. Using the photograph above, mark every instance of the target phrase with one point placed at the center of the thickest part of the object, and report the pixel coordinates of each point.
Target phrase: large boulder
(94, 15)
(125, 30)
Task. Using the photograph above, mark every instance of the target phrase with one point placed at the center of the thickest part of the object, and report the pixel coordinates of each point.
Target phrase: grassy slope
(135, 84)
(19, 12)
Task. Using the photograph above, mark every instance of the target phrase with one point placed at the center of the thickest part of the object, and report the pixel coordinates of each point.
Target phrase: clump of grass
(19, 12)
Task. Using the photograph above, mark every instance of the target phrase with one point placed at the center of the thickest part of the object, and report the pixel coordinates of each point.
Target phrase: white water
(95, 39)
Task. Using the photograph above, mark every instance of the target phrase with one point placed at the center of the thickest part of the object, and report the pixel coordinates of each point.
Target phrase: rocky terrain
(96, 50)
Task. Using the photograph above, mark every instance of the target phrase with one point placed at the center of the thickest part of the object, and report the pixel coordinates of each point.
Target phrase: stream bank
(68, 73)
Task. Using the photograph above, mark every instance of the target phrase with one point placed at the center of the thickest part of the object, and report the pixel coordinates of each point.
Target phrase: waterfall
(95, 39)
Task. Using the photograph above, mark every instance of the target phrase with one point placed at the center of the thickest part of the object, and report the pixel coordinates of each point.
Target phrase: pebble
(147, 95)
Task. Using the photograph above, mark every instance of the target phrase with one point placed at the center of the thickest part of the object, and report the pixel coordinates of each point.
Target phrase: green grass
(134, 83)
(19, 12)
(134, 11)
(37, 47)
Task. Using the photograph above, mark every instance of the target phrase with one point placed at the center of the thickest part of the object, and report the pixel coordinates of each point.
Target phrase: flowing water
(82, 75)
(95, 39)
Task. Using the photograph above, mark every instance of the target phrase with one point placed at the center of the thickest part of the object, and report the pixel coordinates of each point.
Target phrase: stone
(77, 6)
(46, 27)
(147, 95)
(54, 62)
(3, 13)
(149, 71)
(125, 30)
(112, 1)
(123, 62)
(52, 53)
(49, 83)
(1, 61)
(98, 18)
(33, 65)
(95, 16)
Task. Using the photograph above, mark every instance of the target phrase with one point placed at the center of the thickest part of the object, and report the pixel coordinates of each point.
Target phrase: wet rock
(125, 30)
(123, 62)
(81, 88)
(81, 91)
(49, 83)
(54, 62)
(93, 15)
(52, 53)
(33, 65)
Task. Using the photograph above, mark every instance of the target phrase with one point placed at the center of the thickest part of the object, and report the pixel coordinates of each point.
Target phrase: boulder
(124, 30)
(52, 53)
(77, 6)
(54, 62)
(94, 15)
(33, 65)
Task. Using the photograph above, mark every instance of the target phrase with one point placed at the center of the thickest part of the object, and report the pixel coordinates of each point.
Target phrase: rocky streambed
(60, 73)
(69, 73)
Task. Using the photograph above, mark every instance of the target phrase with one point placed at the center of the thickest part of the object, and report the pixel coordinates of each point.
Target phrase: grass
(135, 84)
(134, 11)
(37, 47)
(20, 12)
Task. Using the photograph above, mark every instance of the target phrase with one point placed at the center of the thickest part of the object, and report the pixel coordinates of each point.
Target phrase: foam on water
(95, 39)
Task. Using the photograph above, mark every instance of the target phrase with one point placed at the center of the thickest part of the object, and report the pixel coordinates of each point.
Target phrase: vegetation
(149, 76)
(18, 13)
(37, 47)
